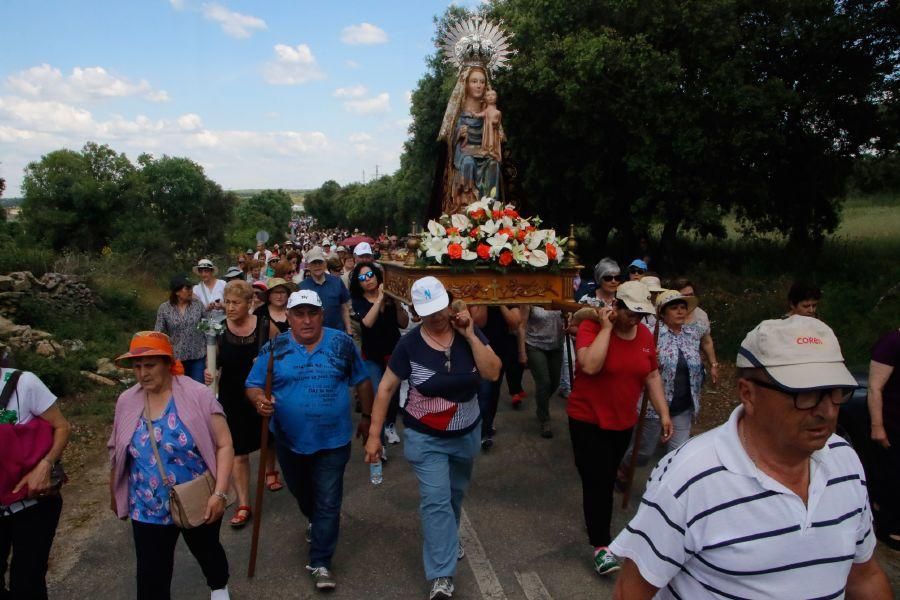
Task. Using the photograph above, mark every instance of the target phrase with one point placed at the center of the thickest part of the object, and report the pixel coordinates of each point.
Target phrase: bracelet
(366, 416)
(714, 365)
(221, 495)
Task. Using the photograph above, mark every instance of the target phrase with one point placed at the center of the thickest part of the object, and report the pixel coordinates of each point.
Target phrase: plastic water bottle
(375, 474)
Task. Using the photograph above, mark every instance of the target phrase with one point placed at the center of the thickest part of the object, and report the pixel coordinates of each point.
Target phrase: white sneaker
(391, 433)
(221, 594)
(441, 589)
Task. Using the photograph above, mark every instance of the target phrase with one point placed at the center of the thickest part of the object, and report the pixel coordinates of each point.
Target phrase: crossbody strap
(162, 472)
(9, 388)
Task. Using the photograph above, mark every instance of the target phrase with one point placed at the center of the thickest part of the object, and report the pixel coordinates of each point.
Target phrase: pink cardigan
(194, 402)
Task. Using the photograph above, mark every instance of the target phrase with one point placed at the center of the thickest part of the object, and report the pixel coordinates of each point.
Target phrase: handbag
(187, 501)
(24, 446)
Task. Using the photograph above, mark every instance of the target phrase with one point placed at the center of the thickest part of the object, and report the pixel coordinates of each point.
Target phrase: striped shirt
(712, 525)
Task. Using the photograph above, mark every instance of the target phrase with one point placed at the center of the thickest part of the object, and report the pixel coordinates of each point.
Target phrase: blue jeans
(194, 368)
(376, 372)
(317, 482)
(443, 467)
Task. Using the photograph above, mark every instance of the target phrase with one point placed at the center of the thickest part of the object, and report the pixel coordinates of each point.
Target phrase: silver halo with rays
(476, 42)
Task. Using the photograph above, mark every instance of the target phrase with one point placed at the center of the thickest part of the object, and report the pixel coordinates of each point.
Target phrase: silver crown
(476, 42)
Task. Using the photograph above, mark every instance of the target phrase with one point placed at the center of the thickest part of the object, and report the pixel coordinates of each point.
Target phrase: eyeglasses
(204, 269)
(636, 271)
(810, 399)
(609, 278)
(366, 275)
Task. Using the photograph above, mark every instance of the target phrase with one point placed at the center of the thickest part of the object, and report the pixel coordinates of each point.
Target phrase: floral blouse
(667, 348)
(188, 342)
(148, 497)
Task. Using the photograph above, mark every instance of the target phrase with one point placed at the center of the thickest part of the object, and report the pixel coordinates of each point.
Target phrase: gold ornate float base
(485, 285)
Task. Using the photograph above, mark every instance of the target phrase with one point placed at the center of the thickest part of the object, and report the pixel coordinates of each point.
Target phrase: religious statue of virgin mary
(471, 130)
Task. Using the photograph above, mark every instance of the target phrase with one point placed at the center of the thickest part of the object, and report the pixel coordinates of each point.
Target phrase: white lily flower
(484, 204)
(436, 228)
(536, 238)
(490, 227)
(436, 247)
(460, 221)
(497, 206)
(519, 253)
(538, 258)
(469, 255)
(506, 221)
(498, 243)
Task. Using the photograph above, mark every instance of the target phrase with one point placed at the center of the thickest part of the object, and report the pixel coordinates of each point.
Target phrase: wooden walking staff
(261, 470)
(636, 440)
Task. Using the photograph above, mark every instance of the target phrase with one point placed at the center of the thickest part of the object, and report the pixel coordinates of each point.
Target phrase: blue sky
(262, 94)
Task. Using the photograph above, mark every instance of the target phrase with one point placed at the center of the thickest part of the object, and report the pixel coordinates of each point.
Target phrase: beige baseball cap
(315, 253)
(798, 353)
(636, 296)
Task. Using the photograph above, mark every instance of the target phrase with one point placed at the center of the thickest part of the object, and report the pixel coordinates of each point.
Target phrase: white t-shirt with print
(207, 296)
(31, 399)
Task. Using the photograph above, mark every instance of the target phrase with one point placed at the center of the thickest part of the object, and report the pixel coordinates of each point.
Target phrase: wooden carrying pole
(261, 469)
(636, 439)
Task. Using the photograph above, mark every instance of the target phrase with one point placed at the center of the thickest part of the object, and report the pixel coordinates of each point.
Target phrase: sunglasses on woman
(609, 278)
(364, 276)
(636, 271)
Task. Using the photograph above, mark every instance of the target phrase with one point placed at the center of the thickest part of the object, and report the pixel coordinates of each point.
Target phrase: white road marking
(533, 586)
(481, 566)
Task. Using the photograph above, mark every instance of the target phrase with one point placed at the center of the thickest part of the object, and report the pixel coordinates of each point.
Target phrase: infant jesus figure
(492, 135)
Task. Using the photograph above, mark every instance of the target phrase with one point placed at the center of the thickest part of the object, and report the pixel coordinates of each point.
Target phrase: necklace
(445, 349)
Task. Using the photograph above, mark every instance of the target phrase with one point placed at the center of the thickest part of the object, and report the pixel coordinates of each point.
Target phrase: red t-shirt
(609, 398)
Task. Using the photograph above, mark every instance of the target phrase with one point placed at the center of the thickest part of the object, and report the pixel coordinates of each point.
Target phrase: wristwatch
(221, 495)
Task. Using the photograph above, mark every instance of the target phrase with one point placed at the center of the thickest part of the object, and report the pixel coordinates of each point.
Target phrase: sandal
(274, 484)
(241, 517)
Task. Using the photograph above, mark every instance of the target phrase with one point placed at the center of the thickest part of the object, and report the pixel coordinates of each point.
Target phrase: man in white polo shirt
(771, 504)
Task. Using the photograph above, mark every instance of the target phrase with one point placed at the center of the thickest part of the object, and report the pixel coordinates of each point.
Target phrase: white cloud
(370, 106)
(90, 83)
(364, 33)
(190, 122)
(233, 23)
(177, 4)
(351, 64)
(293, 65)
(354, 91)
(359, 138)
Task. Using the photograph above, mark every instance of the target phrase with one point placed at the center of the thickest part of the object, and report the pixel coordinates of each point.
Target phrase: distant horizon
(285, 94)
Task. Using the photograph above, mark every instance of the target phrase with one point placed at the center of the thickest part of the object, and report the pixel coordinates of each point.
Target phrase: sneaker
(322, 577)
(546, 432)
(517, 400)
(605, 562)
(441, 589)
(460, 552)
(391, 433)
(487, 443)
(309, 533)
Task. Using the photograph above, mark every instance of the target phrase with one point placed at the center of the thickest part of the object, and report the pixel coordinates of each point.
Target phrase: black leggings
(29, 534)
(598, 453)
(154, 546)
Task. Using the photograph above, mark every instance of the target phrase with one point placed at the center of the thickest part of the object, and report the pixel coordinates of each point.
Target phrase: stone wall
(67, 294)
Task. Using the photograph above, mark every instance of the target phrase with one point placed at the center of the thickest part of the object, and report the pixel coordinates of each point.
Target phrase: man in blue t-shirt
(331, 290)
(311, 418)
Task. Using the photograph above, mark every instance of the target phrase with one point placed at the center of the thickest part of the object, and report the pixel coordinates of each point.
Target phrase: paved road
(523, 532)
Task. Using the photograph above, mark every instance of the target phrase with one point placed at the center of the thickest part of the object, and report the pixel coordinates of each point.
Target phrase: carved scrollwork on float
(468, 290)
(515, 288)
(398, 286)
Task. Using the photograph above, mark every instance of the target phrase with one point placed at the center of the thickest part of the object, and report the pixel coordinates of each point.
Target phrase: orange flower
(507, 231)
(520, 235)
(509, 212)
(506, 258)
(474, 232)
(496, 214)
(550, 249)
(483, 251)
(478, 214)
(453, 231)
(530, 228)
(454, 251)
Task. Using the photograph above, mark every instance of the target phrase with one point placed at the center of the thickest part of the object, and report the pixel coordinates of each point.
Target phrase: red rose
(530, 228)
(453, 231)
(484, 251)
(520, 235)
(505, 231)
(496, 214)
(478, 214)
(506, 257)
(474, 232)
(509, 212)
(454, 251)
(551, 251)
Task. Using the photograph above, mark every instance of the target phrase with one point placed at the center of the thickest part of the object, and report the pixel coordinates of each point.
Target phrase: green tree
(73, 199)
(267, 210)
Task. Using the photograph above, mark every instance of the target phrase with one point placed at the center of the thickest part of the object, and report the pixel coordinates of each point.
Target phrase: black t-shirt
(379, 340)
(681, 393)
(497, 331)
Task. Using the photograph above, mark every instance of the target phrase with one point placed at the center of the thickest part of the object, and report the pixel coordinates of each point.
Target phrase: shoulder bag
(187, 501)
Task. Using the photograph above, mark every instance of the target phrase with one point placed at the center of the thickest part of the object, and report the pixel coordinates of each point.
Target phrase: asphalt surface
(523, 532)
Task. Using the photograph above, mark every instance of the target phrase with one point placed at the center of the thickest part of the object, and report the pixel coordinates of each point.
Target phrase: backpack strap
(9, 388)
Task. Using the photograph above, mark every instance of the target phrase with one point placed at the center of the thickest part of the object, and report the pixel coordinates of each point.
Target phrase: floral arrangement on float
(490, 233)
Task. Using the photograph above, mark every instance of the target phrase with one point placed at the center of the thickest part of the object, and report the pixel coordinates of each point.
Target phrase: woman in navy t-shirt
(444, 360)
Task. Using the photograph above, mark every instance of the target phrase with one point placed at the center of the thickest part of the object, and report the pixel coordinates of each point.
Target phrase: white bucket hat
(428, 296)
(798, 353)
(636, 297)
(205, 263)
